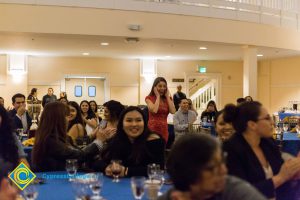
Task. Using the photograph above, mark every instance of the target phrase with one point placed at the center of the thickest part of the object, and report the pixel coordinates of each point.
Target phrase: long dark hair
(121, 142)
(78, 119)
(93, 101)
(8, 147)
(90, 113)
(241, 114)
(213, 103)
(53, 123)
(155, 83)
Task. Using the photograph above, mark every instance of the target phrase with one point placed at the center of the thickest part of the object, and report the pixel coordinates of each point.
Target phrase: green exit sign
(201, 69)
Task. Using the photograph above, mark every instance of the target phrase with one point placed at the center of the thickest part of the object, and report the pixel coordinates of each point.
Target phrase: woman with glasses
(196, 167)
(254, 156)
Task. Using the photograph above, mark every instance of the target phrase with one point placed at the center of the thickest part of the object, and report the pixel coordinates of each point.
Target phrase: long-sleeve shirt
(181, 120)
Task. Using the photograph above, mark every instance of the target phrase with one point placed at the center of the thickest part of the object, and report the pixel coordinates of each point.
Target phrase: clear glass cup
(81, 188)
(71, 168)
(20, 133)
(152, 170)
(96, 184)
(30, 192)
(116, 170)
(137, 186)
(285, 127)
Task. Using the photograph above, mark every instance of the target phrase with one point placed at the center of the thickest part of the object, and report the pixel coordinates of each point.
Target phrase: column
(250, 72)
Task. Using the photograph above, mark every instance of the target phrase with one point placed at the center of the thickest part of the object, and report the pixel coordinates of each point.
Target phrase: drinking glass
(137, 186)
(96, 183)
(71, 168)
(285, 127)
(160, 178)
(116, 170)
(152, 169)
(298, 129)
(81, 189)
(20, 133)
(30, 192)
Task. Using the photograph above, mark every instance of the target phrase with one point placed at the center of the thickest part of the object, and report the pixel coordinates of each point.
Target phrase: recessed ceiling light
(260, 55)
(86, 54)
(168, 56)
(104, 43)
(202, 48)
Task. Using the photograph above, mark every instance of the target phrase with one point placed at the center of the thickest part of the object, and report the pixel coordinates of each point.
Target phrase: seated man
(7, 191)
(198, 171)
(19, 115)
(183, 118)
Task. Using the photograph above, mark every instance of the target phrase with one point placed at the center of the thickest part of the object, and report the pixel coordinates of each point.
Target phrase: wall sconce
(17, 66)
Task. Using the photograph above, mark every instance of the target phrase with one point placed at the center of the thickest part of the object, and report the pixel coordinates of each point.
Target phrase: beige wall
(279, 82)
(125, 83)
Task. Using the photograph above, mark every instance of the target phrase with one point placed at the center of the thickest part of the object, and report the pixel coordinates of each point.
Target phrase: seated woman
(11, 149)
(94, 108)
(210, 112)
(112, 111)
(75, 126)
(196, 167)
(51, 148)
(134, 145)
(253, 155)
(88, 116)
(223, 129)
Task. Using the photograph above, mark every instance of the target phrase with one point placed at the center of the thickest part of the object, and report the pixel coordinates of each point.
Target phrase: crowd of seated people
(195, 164)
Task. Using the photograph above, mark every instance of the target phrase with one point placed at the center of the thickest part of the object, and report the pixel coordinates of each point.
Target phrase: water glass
(116, 170)
(81, 188)
(137, 186)
(152, 170)
(96, 184)
(71, 168)
(285, 127)
(152, 188)
(30, 192)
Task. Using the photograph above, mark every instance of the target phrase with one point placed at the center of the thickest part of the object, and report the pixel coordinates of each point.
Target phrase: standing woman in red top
(159, 104)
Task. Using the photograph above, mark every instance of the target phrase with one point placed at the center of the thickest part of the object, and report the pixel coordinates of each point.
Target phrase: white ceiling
(75, 45)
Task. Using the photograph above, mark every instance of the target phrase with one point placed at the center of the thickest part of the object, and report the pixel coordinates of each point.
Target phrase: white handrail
(282, 13)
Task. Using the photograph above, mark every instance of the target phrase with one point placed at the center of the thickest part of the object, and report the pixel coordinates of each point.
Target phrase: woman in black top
(52, 147)
(253, 155)
(134, 145)
(8, 143)
(210, 112)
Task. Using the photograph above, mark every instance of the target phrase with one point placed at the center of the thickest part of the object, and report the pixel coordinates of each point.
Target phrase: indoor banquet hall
(150, 99)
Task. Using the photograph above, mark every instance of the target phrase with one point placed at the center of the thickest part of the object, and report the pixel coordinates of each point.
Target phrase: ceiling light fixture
(203, 48)
(168, 56)
(86, 54)
(104, 43)
(260, 55)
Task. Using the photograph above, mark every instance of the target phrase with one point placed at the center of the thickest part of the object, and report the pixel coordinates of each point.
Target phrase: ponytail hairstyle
(241, 114)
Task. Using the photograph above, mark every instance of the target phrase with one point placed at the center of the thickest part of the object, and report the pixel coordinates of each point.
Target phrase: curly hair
(115, 109)
(8, 147)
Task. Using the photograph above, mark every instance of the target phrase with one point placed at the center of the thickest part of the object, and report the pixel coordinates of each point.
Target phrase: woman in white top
(88, 117)
(76, 128)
